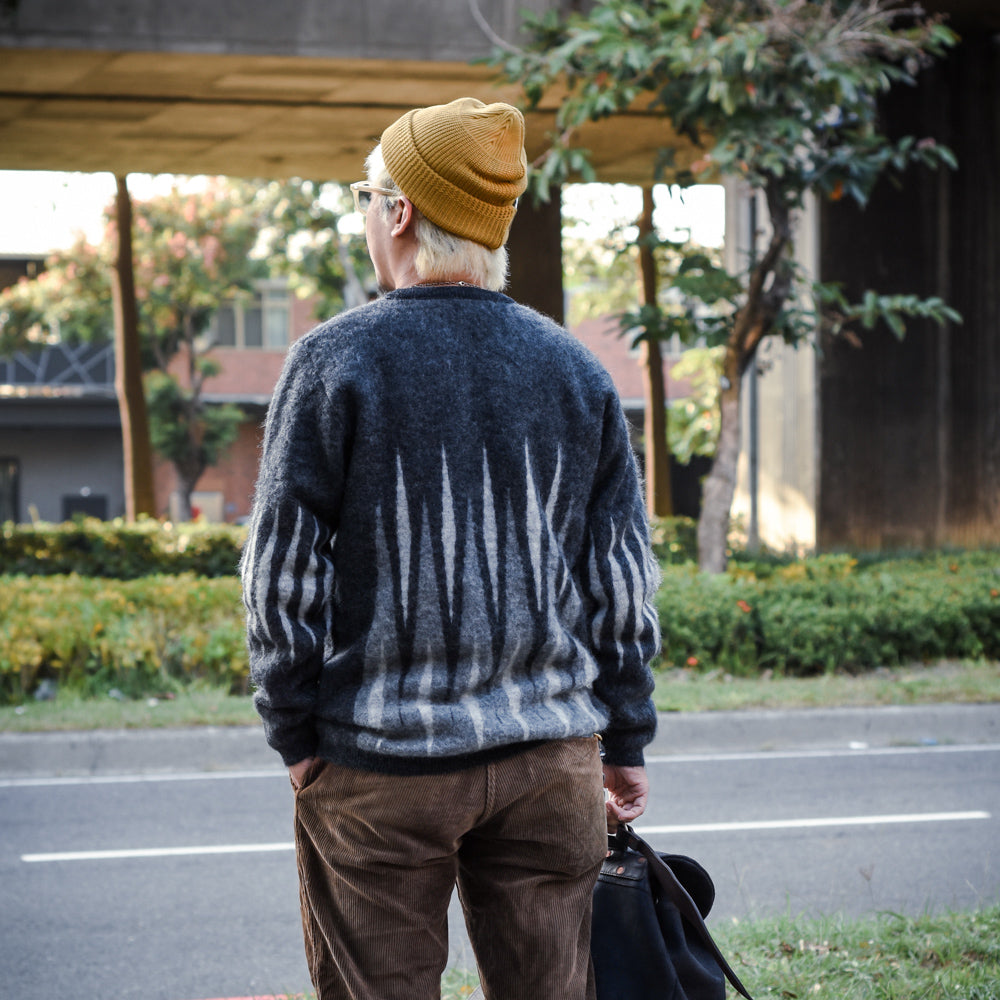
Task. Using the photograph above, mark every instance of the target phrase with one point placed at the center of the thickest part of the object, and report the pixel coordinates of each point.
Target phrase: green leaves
(777, 88)
(839, 315)
(700, 277)
(71, 298)
(826, 613)
(693, 427)
(91, 548)
(142, 635)
(194, 249)
(559, 166)
(183, 428)
(782, 94)
(697, 304)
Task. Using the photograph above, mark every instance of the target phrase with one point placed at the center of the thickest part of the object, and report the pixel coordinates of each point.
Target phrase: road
(180, 884)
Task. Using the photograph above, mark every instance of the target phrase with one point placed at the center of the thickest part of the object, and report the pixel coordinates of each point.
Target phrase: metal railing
(83, 366)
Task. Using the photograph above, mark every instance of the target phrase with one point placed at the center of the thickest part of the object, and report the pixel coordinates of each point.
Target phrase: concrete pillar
(786, 441)
(535, 248)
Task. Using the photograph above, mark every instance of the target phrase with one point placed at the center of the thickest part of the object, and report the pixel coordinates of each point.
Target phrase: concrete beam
(446, 30)
(258, 89)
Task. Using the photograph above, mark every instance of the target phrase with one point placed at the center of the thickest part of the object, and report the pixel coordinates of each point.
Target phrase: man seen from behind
(449, 585)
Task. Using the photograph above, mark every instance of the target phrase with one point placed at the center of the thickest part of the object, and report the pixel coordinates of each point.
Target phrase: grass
(676, 691)
(70, 711)
(953, 956)
(458, 984)
(950, 681)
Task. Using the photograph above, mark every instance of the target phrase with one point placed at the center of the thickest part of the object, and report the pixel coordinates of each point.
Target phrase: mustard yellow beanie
(462, 165)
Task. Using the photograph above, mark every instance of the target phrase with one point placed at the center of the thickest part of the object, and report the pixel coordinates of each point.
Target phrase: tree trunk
(181, 510)
(659, 501)
(190, 467)
(720, 485)
(136, 447)
(767, 291)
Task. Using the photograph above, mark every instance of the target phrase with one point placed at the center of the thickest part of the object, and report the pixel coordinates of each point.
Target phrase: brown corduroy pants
(379, 855)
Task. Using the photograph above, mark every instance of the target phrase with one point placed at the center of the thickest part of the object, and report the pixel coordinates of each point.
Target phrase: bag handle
(680, 897)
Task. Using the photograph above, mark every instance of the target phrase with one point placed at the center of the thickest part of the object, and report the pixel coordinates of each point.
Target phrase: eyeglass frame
(363, 187)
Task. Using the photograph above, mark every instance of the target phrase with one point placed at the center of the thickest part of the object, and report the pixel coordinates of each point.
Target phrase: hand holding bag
(648, 935)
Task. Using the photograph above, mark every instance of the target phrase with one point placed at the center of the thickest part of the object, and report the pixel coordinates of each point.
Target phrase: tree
(631, 262)
(134, 416)
(304, 242)
(70, 299)
(781, 94)
(659, 500)
(193, 250)
(201, 249)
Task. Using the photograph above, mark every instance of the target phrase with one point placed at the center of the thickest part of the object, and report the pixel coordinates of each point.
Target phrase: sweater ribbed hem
(385, 764)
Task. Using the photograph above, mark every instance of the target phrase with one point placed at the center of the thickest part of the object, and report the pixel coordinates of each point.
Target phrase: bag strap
(680, 897)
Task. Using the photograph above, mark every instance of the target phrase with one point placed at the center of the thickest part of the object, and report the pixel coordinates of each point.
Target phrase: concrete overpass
(275, 88)
(268, 88)
(255, 88)
(895, 445)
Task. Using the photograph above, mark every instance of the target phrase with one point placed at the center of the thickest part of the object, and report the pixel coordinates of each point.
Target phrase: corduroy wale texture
(379, 856)
(422, 603)
(462, 165)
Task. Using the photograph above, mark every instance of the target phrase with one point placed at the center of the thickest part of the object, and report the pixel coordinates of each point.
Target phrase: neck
(403, 273)
(438, 284)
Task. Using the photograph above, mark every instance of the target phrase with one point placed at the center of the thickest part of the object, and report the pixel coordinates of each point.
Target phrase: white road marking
(776, 824)
(700, 758)
(156, 852)
(135, 779)
(805, 824)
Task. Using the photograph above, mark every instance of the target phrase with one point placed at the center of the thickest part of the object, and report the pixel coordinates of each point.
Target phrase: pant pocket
(313, 771)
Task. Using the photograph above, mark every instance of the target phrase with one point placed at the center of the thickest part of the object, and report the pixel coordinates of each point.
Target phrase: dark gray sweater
(448, 554)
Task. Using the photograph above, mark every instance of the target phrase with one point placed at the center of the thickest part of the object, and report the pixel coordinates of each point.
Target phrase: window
(259, 321)
(90, 505)
(274, 313)
(10, 476)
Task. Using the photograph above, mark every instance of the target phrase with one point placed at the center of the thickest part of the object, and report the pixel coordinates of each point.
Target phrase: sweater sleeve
(286, 567)
(622, 578)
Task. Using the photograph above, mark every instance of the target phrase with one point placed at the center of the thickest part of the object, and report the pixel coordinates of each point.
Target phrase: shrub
(675, 540)
(139, 636)
(154, 633)
(118, 550)
(822, 614)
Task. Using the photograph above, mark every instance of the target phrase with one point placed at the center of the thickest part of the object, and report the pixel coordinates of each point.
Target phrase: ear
(404, 216)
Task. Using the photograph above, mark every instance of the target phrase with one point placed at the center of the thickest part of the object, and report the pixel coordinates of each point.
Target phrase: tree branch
(487, 30)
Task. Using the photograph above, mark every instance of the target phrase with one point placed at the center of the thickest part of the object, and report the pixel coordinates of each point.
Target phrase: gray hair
(440, 254)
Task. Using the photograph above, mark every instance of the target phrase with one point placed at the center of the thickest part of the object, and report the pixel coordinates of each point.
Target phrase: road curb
(221, 748)
(135, 751)
(826, 729)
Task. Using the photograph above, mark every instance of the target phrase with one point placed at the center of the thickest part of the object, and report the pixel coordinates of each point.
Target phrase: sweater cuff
(625, 753)
(292, 743)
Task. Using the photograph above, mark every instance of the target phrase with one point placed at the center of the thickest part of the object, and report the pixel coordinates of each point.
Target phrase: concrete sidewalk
(826, 729)
(153, 751)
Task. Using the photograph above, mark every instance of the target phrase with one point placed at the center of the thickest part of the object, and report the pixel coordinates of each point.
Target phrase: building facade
(60, 431)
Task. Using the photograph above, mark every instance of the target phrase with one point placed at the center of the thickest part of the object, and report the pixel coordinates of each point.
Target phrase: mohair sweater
(448, 554)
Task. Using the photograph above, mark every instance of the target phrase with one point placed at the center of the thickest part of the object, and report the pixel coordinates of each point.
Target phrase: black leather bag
(648, 935)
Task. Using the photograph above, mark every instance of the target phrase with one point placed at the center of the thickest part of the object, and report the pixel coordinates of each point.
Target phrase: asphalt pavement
(212, 748)
(812, 811)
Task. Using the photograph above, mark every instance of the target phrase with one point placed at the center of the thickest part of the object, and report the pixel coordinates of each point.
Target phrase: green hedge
(155, 633)
(829, 613)
(139, 636)
(119, 550)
